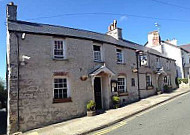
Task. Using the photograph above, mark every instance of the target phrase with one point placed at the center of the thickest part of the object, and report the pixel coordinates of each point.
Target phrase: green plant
(184, 80)
(3, 93)
(91, 106)
(167, 89)
(115, 99)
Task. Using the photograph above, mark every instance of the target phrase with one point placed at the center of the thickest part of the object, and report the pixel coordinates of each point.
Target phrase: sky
(135, 17)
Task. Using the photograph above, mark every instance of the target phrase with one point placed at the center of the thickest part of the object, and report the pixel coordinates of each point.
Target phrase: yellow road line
(33, 133)
(120, 124)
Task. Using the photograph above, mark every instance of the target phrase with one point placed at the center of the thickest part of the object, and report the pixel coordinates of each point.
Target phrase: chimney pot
(11, 3)
(114, 31)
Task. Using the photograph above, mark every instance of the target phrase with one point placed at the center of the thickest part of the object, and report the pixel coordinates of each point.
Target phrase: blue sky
(134, 28)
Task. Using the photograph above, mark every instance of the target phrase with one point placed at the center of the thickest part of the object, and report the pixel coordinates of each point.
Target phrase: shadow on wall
(3, 121)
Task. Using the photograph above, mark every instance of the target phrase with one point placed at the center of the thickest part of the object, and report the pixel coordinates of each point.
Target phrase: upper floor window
(58, 51)
(158, 65)
(97, 53)
(121, 84)
(132, 81)
(119, 56)
(148, 80)
(167, 65)
(60, 88)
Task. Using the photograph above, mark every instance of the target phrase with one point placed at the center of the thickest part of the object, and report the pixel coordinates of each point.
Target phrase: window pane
(58, 49)
(118, 50)
(96, 48)
(97, 55)
(121, 85)
(55, 93)
(60, 88)
(60, 93)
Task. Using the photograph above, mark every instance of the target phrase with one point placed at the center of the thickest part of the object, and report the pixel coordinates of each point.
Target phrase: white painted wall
(174, 53)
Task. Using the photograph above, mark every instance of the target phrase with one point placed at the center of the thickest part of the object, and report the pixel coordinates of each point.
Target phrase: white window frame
(150, 76)
(158, 65)
(64, 49)
(122, 56)
(97, 60)
(169, 80)
(125, 84)
(68, 89)
(167, 65)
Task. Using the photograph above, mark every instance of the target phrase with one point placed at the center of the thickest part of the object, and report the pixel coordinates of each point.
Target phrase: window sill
(150, 87)
(64, 100)
(123, 94)
(121, 63)
(60, 59)
(99, 61)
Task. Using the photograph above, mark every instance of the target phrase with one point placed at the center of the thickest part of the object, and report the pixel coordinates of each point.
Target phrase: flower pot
(115, 106)
(159, 92)
(91, 113)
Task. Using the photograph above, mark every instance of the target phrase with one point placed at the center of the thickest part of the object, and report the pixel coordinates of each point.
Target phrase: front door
(97, 92)
(160, 83)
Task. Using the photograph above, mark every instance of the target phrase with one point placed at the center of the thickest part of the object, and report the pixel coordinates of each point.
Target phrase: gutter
(18, 86)
(138, 86)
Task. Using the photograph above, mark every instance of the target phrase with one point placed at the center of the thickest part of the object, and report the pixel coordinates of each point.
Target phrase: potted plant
(116, 101)
(91, 108)
(158, 91)
(167, 89)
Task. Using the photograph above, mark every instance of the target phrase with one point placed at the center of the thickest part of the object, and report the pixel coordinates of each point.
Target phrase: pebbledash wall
(30, 80)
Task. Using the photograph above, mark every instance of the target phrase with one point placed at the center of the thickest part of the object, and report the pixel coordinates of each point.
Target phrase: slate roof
(186, 47)
(46, 29)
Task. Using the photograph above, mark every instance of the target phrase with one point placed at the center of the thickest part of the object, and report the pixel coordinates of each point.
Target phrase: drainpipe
(18, 86)
(138, 86)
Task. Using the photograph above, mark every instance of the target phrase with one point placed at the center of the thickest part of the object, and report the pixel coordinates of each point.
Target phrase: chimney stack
(11, 11)
(114, 31)
(173, 41)
(154, 38)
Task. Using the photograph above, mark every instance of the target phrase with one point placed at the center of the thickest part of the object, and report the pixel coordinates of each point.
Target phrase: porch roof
(100, 69)
(161, 71)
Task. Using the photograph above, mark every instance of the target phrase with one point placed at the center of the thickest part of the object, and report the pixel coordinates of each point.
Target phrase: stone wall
(36, 107)
(12, 81)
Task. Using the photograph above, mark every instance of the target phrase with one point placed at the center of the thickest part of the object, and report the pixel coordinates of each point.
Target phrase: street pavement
(3, 122)
(172, 118)
(85, 125)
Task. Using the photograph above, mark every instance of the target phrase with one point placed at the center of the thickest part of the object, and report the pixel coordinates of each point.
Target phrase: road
(171, 118)
(3, 121)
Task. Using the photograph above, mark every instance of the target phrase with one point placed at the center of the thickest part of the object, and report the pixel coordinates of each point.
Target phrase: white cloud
(123, 18)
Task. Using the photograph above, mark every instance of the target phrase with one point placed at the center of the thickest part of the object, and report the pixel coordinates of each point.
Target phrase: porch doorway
(98, 92)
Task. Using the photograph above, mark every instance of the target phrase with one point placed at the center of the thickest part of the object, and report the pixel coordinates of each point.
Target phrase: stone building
(53, 71)
(169, 48)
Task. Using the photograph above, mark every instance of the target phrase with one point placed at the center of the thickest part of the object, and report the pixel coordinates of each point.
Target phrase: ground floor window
(169, 80)
(148, 80)
(132, 81)
(165, 79)
(60, 88)
(121, 84)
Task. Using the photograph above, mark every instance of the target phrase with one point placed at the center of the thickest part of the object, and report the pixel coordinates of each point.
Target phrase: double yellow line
(107, 130)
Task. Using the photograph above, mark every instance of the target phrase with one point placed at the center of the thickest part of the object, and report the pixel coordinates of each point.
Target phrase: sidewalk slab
(86, 125)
